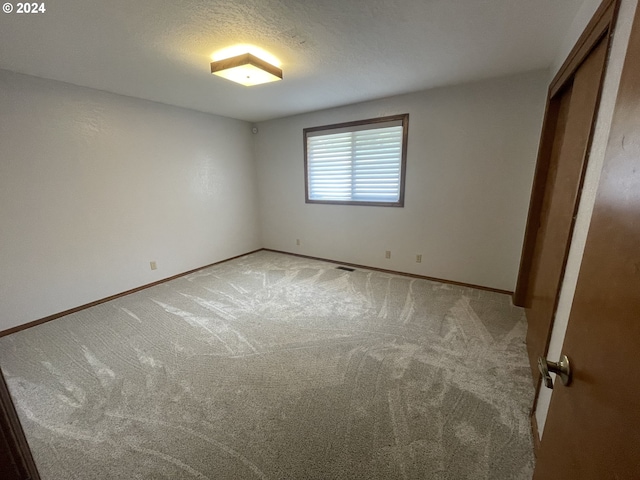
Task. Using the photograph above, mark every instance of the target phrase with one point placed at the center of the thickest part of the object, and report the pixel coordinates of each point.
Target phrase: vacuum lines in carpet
(271, 366)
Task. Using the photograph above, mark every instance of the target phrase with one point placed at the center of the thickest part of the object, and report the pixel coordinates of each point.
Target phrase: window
(357, 163)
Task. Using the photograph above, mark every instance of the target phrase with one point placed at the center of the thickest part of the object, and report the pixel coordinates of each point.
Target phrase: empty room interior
(277, 239)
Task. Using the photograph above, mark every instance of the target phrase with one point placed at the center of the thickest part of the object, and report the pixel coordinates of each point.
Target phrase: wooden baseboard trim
(393, 272)
(49, 318)
(113, 297)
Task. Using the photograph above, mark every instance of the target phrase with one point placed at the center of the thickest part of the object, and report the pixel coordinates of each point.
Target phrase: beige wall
(471, 155)
(93, 186)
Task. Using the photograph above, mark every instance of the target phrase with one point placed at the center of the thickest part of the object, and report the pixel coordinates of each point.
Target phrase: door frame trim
(603, 20)
(13, 433)
(600, 26)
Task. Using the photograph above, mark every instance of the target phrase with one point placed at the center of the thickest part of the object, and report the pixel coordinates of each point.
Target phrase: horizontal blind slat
(361, 165)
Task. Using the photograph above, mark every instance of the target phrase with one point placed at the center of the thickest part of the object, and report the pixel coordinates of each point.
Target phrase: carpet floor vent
(346, 269)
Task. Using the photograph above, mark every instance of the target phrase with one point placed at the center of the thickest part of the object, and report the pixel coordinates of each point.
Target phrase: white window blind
(360, 163)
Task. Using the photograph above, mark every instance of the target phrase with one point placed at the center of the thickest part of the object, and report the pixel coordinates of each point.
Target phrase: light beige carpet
(278, 367)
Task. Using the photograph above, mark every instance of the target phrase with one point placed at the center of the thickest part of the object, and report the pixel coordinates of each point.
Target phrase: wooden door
(592, 430)
(578, 107)
(569, 122)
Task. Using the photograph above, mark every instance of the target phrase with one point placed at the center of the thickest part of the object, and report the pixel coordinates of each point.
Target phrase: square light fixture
(246, 69)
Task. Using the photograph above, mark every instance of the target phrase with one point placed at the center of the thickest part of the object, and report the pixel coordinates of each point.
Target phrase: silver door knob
(561, 368)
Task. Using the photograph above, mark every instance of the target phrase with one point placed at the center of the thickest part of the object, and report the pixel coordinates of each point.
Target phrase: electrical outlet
(387, 254)
(418, 258)
(154, 265)
(297, 241)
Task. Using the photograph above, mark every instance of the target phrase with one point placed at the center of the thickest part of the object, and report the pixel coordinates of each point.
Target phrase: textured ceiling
(333, 52)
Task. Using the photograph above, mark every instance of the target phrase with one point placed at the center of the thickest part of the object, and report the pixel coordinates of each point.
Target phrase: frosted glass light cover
(246, 70)
(247, 75)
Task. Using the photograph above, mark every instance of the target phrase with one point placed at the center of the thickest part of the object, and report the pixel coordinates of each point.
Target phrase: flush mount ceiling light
(246, 69)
